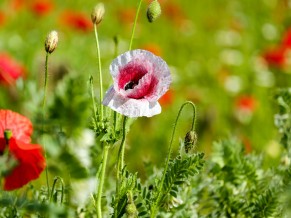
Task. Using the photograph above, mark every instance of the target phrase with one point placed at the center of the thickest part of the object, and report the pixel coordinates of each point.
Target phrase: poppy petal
(20, 126)
(31, 163)
(130, 107)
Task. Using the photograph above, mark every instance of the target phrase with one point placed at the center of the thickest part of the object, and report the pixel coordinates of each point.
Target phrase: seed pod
(153, 11)
(190, 141)
(51, 41)
(98, 13)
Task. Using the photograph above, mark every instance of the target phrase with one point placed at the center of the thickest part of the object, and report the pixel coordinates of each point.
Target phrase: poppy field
(147, 108)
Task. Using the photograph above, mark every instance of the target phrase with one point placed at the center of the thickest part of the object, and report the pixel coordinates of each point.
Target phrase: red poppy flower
(275, 56)
(286, 40)
(246, 103)
(29, 157)
(77, 20)
(42, 7)
(167, 98)
(10, 70)
(20, 126)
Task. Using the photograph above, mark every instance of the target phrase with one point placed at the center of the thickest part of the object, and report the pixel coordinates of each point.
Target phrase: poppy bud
(7, 135)
(153, 11)
(51, 41)
(98, 13)
(130, 208)
(190, 140)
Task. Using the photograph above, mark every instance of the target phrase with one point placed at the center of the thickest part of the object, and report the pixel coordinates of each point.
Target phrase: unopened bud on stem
(51, 41)
(153, 11)
(98, 13)
(190, 141)
(130, 208)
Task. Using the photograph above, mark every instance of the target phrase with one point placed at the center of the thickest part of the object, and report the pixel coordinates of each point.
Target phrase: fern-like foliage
(70, 108)
(128, 184)
(180, 170)
(236, 185)
(283, 117)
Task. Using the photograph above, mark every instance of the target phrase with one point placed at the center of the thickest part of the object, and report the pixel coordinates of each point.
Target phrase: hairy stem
(120, 161)
(101, 181)
(43, 115)
(100, 71)
(159, 196)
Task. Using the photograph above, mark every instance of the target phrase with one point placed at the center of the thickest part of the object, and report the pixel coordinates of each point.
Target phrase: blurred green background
(227, 56)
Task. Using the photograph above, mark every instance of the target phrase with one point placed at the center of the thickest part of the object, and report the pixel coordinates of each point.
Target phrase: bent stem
(158, 197)
(100, 71)
(101, 182)
(120, 161)
(53, 188)
(134, 24)
(43, 114)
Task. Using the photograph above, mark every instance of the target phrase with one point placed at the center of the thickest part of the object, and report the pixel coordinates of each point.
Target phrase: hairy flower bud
(51, 41)
(131, 210)
(98, 13)
(153, 11)
(190, 141)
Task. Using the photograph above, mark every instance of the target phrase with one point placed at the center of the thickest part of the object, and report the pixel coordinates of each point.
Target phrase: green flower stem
(43, 114)
(122, 146)
(134, 24)
(45, 80)
(158, 197)
(100, 71)
(114, 121)
(120, 160)
(101, 181)
(93, 100)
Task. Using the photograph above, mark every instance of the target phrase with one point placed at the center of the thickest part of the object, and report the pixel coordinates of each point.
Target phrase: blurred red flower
(246, 103)
(275, 56)
(278, 55)
(247, 144)
(174, 12)
(244, 108)
(29, 157)
(2, 18)
(42, 7)
(286, 40)
(17, 4)
(154, 48)
(167, 99)
(77, 21)
(126, 15)
(10, 69)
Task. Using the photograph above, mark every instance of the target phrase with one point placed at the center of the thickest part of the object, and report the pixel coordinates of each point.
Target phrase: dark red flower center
(133, 75)
(130, 85)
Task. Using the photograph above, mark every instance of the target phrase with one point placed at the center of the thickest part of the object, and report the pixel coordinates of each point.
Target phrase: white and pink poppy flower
(140, 79)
